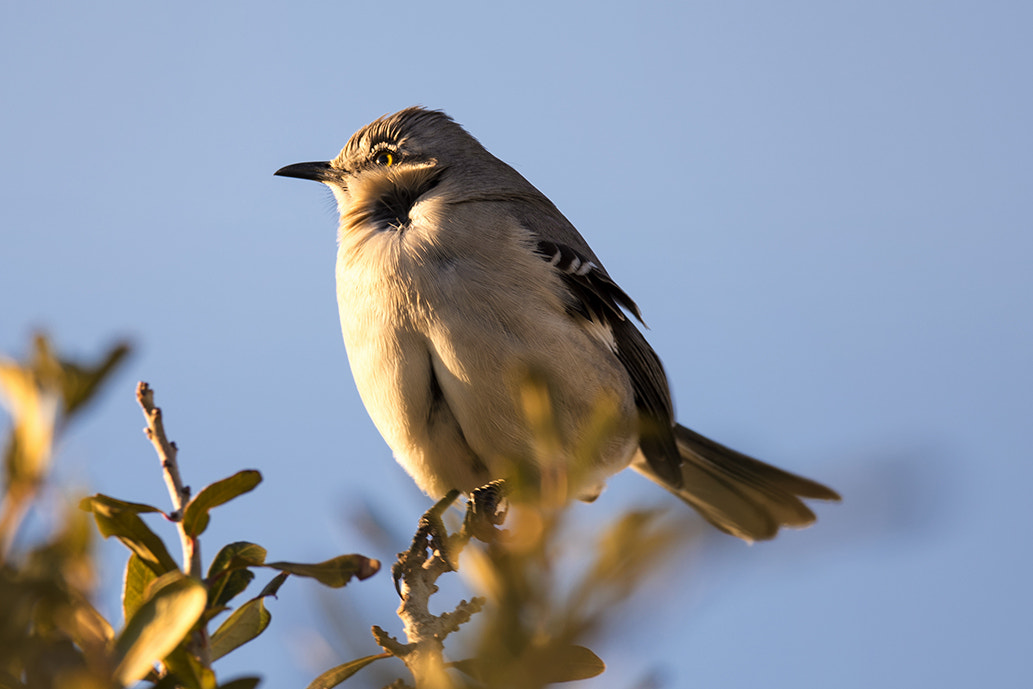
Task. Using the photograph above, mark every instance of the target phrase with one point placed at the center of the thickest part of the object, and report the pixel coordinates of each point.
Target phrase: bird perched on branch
(456, 279)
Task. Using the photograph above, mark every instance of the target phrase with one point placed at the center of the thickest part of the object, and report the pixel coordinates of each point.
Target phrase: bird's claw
(482, 511)
(430, 535)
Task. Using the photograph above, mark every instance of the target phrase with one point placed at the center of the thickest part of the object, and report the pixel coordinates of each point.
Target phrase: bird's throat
(393, 204)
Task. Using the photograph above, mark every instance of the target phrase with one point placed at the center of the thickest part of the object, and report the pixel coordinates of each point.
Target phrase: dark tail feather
(736, 493)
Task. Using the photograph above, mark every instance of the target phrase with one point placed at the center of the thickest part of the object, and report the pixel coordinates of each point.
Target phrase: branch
(432, 553)
(179, 493)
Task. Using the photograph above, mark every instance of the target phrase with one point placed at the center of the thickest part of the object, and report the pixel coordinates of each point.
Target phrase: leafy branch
(523, 629)
(52, 635)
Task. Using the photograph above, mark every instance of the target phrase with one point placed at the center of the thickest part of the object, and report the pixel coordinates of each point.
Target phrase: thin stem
(179, 492)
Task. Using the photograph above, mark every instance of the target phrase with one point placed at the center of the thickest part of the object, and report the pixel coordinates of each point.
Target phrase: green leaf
(336, 675)
(138, 577)
(228, 575)
(228, 586)
(241, 683)
(162, 620)
(335, 572)
(118, 518)
(246, 622)
(187, 670)
(134, 507)
(274, 584)
(195, 517)
(235, 555)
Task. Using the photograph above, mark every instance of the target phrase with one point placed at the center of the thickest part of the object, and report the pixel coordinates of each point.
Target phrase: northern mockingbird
(455, 278)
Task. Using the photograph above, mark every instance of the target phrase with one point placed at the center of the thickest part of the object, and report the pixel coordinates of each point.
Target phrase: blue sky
(823, 210)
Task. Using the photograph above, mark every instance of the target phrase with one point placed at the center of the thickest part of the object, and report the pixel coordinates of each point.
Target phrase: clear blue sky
(823, 209)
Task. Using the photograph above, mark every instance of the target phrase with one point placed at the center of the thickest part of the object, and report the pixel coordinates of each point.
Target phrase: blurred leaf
(336, 675)
(629, 550)
(88, 629)
(119, 519)
(195, 517)
(241, 683)
(169, 681)
(27, 456)
(67, 557)
(549, 665)
(138, 576)
(246, 622)
(158, 626)
(572, 663)
(228, 575)
(77, 383)
(36, 393)
(33, 412)
(49, 631)
(335, 572)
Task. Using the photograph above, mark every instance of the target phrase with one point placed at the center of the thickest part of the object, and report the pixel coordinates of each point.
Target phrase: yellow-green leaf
(134, 507)
(158, 626)
(120, 519)
(195, 517)
(335, 572)
(246, 622)
(336, 675)
(138, 576)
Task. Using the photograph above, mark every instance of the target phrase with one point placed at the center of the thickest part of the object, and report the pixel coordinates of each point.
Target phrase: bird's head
(399, 160)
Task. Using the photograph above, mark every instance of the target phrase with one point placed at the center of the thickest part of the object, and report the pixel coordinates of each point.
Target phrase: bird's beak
(319, 172)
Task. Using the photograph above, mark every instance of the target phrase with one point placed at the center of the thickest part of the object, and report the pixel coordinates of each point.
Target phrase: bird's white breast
(414, 316)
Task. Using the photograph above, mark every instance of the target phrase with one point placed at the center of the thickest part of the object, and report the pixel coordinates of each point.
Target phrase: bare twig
(179, 493)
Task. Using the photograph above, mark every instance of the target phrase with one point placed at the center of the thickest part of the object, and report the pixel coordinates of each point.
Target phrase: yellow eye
(385, 158)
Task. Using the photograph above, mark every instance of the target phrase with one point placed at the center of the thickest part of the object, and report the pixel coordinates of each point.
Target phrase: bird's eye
(385, 158)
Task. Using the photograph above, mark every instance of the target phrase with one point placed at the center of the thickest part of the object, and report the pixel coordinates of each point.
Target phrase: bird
(457, 281)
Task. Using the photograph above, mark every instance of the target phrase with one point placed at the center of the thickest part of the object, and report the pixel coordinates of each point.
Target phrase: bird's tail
(736, 493)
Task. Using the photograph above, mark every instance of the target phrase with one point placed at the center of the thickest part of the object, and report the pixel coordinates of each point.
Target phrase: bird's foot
(430, 536)
(483, 514)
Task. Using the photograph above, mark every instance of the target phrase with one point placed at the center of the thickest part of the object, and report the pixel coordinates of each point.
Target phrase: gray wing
(595, 296)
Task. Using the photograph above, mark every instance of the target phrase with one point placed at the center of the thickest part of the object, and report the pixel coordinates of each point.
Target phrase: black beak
(318, 172)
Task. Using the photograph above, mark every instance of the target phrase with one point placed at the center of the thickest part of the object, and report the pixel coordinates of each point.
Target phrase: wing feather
(595, 296)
